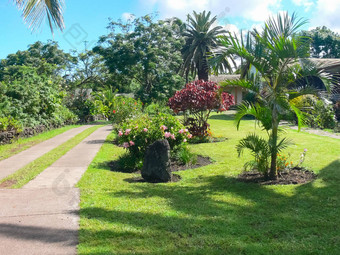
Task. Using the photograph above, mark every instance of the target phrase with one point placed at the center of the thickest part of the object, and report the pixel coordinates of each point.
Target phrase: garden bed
(297, 175)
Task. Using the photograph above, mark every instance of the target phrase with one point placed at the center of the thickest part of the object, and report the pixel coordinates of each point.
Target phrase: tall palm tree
(279, 56)
(34, 12)
(201, 38)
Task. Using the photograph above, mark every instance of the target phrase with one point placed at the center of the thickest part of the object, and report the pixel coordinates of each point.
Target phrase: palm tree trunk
(203, 69)
(275, 125)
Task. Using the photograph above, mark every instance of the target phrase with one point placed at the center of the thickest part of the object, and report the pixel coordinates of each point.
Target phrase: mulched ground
(175, 167)
(296, 175)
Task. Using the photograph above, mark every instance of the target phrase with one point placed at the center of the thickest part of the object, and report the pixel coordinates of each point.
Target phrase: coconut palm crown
(278, 57)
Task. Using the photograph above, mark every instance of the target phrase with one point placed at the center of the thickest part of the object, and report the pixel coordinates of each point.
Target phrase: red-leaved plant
(199, 98)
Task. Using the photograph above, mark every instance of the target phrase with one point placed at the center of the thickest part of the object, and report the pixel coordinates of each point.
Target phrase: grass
(8, 150)
(209, 211)
(31, 170)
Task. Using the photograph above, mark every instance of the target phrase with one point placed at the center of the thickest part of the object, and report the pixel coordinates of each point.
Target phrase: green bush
(137, 134)
(10, 124)
(125, 108)
(155, 108)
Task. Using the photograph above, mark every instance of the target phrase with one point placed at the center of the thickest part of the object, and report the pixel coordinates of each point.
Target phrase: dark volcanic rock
(156, 166)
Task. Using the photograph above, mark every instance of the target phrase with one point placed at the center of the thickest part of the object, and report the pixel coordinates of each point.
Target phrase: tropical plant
(199, 98)
(278, 54)
(200, 39)
(35, 12)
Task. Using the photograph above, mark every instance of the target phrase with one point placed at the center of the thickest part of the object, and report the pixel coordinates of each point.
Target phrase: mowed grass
(209, 211)
(31, 170)
(8, 150)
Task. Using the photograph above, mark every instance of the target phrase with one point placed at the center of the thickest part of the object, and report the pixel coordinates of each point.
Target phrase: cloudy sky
(86, 20)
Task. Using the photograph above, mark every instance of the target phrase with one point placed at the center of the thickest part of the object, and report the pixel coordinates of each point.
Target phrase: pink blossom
(126, 145)
(167, 134)
(185, 140)
(136, 127)
(132, 143)
(127, 131)
(164, 127)
(305, 150)
(189, 136)
(145, 130)
(173, 137)
(181, 131)
(120, 133)
(186, 130)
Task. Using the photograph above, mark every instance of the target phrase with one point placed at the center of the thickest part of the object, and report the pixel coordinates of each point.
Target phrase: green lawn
(209, 211)
(8, 150)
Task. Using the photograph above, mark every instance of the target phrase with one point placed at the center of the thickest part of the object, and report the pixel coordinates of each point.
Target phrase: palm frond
(34, 12)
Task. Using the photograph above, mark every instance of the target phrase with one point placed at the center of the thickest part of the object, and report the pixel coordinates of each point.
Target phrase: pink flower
(127, 131)
(185, 140)
(186, 130)
(120, 133)
(164, 127)
(305, 150)
(132, 143)
(136, 127)
(173, 137)
(189, 136)
(145, 130)
(181, 131)
(167, 134)
(126, 145)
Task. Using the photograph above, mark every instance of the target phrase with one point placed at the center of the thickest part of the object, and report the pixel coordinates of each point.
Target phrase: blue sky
(86, 20)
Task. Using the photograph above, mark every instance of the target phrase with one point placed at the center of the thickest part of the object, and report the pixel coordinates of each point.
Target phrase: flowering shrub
(200, 98)
(137, 134)
(124, 108)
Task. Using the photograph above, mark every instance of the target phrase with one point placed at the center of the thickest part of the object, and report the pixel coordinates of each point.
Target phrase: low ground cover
(209, 211)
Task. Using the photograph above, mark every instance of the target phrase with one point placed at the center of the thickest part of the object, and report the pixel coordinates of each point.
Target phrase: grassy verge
(8, 150)
(209, 211)
(31, 170)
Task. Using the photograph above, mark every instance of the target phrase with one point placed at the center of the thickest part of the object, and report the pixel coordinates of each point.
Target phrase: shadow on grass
(223, 216)
(228, 117)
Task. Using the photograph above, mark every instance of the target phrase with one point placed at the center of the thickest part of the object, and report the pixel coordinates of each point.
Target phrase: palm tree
(200, 38)
(34, 12)
(283, 72)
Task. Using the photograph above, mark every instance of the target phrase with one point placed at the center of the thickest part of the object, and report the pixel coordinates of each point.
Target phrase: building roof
(223, 77)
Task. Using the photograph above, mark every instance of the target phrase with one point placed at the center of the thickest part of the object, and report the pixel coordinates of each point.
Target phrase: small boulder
(156, 166)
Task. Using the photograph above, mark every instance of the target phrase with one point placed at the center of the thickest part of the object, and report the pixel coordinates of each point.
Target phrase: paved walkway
(42, 217)
(10, 165)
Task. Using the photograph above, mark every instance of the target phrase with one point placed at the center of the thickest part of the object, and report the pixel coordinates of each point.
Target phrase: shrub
(10, 124)
(137, 134)
(199, 98)
(155, 108)
(124, 108)
(318, 113)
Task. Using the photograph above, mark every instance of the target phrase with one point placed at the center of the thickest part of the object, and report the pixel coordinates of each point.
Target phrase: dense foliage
(144, 56)
(199, 98)
(138, 133)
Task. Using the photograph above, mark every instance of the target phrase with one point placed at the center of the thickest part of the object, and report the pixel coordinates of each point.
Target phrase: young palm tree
(34, 12)
(283, 72)
(201, 38)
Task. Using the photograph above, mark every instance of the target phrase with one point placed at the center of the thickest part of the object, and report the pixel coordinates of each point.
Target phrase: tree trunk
(203, 69)
(275, 126)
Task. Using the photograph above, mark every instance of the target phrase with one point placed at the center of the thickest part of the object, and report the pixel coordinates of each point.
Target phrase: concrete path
(10, 165)
(42, 218)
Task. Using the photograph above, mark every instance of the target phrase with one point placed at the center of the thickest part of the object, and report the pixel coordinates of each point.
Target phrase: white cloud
(254, 10)
(327, 14)
(307, 4)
